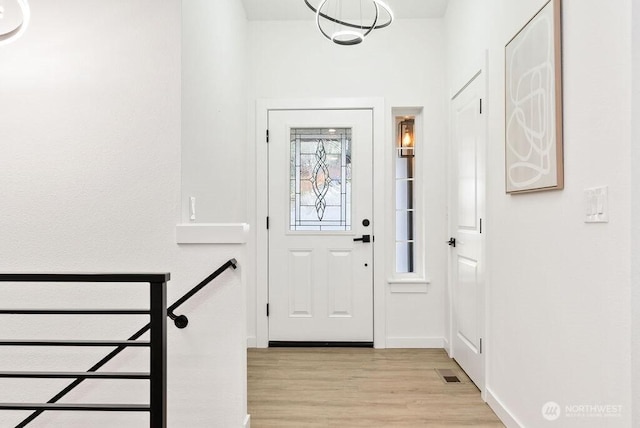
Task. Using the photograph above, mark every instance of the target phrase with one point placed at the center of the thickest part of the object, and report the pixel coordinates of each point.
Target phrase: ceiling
(287, 10)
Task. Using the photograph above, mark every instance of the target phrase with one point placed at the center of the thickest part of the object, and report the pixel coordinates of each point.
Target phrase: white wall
(90, 179)
(635, 214)
(403, 64)
(466, 41)
(214, 117)
(559, 288)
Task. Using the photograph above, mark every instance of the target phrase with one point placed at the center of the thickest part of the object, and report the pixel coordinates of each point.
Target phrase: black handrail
(74, 312)
(181, 321)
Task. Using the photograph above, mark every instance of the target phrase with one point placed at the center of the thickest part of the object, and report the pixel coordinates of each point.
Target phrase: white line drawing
(531, 106)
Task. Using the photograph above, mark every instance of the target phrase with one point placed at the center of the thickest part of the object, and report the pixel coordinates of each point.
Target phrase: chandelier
(12, 35)
(350, 32)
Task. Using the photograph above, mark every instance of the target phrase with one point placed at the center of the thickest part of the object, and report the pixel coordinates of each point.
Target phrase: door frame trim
(263, 106)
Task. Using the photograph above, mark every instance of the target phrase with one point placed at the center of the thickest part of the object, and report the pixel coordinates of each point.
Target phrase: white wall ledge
(212, 233)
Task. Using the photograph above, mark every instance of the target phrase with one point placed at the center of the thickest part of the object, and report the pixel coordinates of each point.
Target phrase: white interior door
(320, 203)
(466, 218)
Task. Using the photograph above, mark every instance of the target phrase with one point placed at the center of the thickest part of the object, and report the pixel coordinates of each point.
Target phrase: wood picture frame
(533, 104)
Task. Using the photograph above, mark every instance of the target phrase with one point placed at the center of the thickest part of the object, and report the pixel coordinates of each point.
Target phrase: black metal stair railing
(158, 313)
(157, 344)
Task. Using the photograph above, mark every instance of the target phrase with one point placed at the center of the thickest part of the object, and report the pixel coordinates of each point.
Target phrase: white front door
(466, 218)
(320, 215)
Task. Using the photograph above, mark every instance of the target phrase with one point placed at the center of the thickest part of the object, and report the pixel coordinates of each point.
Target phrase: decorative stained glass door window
(320, 177)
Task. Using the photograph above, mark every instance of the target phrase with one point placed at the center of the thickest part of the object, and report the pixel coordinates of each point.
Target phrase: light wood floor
(348, 387)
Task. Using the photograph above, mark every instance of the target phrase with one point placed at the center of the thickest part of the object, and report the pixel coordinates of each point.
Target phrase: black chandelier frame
(366, 28)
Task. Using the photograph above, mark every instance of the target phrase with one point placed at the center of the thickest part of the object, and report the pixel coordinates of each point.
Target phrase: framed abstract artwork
(533, 104)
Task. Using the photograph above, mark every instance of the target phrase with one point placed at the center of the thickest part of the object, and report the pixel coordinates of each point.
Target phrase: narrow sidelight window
(405, 194)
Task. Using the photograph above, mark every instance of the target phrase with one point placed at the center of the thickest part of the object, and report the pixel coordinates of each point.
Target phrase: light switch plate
(596, 202)
(192, 208)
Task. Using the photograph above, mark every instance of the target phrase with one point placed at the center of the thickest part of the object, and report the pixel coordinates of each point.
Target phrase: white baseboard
(415, 342)
(446, 346)
(247, 422)
(501, 411)
(252, 342)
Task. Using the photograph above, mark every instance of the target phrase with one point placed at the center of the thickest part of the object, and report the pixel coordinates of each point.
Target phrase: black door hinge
(480, 105)
(267, 309)
(267, 222)
(480, 226)
(481, 345)
(267, 135)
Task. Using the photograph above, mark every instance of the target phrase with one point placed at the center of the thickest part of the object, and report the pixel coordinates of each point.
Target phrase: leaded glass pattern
(320, 177)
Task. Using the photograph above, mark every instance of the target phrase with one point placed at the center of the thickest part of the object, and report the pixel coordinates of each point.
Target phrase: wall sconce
(406, 138)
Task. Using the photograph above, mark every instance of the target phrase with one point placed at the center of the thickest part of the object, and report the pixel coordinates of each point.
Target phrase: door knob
(365, 238)
(452, 242)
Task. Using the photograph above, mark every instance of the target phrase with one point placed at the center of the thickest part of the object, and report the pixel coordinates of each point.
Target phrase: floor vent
(448, 376)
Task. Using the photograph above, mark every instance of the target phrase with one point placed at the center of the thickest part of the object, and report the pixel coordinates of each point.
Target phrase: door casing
(380, 189)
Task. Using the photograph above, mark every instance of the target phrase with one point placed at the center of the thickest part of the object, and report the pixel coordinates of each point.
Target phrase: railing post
(158, 355)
